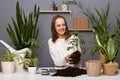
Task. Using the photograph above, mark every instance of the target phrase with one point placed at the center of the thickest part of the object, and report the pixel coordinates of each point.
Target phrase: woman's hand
(68, 59)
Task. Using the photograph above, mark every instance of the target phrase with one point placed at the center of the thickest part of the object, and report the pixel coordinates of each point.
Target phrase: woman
(60, 41)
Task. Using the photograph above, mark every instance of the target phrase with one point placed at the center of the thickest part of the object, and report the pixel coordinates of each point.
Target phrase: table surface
(26, 76)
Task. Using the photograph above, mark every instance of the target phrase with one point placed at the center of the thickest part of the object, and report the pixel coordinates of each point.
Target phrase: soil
(70, 72)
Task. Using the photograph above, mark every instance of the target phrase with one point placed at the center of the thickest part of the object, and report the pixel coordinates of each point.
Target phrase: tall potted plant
(24, 33)
(110, 51)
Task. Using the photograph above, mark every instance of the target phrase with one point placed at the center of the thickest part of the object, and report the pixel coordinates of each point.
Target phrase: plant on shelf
(24, 33)
(54, 6)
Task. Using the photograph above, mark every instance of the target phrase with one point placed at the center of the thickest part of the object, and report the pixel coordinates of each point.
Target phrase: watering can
(21, 53)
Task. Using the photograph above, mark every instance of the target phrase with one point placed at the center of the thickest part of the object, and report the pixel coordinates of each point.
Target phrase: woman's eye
(58, 25)
(63, 24)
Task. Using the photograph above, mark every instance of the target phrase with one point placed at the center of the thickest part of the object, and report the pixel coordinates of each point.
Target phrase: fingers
(68, 59)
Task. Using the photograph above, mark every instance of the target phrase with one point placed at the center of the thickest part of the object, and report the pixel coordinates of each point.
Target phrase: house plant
(77, 43)
(32, 65)
(8, 60)
(54, 6)
(24, 33)
(64, 6)
(110, 51)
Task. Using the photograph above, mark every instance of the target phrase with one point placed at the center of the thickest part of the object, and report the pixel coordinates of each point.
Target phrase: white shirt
(58, 51)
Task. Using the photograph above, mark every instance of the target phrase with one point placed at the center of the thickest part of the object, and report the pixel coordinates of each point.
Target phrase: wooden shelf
(58, 11)
(82, 30)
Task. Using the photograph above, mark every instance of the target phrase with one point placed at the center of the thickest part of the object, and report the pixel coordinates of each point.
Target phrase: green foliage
(24, 32)
(8, 56)
(110, 49)
(117, 29)
(107, 43)
(77, 42)
(53, 3)
(32, 62)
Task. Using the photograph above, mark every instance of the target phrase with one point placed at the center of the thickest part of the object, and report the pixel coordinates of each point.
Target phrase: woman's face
(60, 27)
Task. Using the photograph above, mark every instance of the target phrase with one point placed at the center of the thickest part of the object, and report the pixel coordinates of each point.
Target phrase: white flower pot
(32, 70)
(64, 7)
(8, 67)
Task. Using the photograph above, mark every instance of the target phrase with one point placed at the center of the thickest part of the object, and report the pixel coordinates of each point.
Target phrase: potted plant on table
(32, 64)
(110, 51)
(25, 31)
(7, 63)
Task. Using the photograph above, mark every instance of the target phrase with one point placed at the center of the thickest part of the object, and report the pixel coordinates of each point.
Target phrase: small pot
(93, 67)
(55, 8)
(32, 70)
(64, 7)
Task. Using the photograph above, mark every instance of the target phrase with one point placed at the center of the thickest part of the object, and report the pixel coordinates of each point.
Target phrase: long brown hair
(53, 30)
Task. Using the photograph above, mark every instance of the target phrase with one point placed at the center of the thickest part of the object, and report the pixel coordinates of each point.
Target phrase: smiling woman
(60, 41)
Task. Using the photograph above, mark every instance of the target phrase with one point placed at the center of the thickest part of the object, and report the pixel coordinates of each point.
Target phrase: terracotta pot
(93, 67)
(8, 67)
(110, 68)
(55, 8)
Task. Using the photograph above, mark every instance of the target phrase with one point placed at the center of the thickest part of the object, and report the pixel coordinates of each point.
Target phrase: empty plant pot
(93, 67)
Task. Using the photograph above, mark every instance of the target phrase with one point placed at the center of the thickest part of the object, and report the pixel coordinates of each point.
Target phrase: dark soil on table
(70, 72)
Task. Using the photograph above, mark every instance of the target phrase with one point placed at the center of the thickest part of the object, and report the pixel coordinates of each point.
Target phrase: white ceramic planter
(8, 67)
(32, 70)
(64, 7)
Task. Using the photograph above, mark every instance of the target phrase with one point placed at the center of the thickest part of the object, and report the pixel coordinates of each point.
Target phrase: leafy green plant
(117, 29)
(8, 56)
(53, 3)
(24, 32)
(98, 20)
(76, 41)
(32, 62)
(110, 50)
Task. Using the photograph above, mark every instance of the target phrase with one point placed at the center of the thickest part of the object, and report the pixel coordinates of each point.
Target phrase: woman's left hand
(68, 59)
